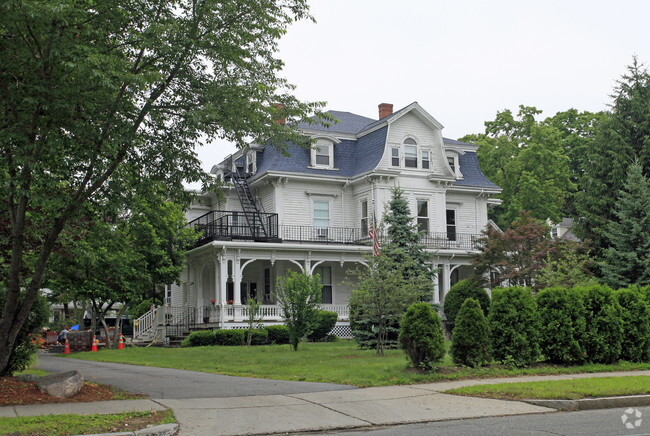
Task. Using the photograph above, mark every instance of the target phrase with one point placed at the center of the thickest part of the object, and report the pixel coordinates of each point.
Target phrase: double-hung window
(323, 155)
(451, 224)
(423, 216)
(321, 218)
(325, 273)
(410, 153)
(425, 160)
(394, 153)
(364, 218)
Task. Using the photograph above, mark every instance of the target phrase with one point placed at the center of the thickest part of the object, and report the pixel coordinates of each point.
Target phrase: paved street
(606, 422)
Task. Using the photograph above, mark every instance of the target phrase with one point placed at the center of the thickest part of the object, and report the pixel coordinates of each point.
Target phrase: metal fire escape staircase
(256, 225)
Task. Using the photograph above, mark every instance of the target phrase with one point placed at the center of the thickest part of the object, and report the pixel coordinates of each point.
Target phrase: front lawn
(560, 389)
(338, 362)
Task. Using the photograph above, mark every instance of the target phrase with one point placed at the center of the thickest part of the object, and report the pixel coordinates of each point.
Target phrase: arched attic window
(410, 153)
(322, 152)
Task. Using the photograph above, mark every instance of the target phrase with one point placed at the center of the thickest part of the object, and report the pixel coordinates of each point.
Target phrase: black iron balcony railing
(226, 225)
(349, 235)
(229, 225)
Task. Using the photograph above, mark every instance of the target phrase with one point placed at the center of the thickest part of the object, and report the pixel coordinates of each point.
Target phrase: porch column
(217, 275)
(436, 290)
(236, 270)
(199, 286)
(445, 281)
(223, 279)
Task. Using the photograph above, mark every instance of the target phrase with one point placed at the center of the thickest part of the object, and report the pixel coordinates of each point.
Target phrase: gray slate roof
(354, 157)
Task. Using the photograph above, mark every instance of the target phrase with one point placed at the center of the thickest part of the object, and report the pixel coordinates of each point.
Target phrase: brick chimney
(385, 109)
(280, 108)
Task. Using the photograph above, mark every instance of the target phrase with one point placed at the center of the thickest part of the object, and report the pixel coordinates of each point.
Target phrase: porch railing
(239, 313)
(227, 225)
(220, 225)
(350, 235)
(145, 323)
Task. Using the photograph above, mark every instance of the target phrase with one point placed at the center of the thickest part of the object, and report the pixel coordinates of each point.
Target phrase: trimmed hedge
(514, 324)
(562, 325)
(603, 326)
(199, 339)
(278, 334)
(230, 337)
(457, 295)
(421, 336)
(259, 336)
(635, 324)
(471, 342)
(325, 322)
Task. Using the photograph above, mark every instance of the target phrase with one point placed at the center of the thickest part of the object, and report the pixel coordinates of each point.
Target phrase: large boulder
(62, 385)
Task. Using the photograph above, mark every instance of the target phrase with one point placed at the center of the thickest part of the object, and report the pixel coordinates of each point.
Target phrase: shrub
(514, 325)
(364, 330)
(325, 322)
(230, 337)
(421, 336)
(278, 334)
(199, 339)
(259, 336)
(635, 324)
(562, 325)
(603, 329)
(457, 295)
(470, 343)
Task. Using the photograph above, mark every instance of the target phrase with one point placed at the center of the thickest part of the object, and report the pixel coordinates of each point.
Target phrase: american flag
(374, 235)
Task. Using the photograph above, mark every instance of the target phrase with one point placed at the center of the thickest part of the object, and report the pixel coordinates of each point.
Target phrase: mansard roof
(351, 158)
(361, 147)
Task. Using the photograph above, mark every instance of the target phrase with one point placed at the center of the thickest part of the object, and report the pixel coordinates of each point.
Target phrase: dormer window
(452, 163)
(410, 153)
(322, 153)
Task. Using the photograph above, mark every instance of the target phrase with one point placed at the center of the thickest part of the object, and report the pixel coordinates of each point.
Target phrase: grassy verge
(55, 425)
(561, 389)
(339, 362)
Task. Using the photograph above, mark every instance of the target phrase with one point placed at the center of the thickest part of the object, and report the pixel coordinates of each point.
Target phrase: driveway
(165, 383)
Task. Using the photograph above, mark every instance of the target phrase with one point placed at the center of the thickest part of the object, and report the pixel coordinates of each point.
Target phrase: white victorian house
(310, 211)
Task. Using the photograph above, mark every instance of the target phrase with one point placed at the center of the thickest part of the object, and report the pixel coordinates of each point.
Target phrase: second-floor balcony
(263, 227)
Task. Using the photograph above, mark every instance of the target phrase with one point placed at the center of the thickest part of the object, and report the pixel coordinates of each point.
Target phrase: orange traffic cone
(119, 347)
(67, 347)
(94, 348)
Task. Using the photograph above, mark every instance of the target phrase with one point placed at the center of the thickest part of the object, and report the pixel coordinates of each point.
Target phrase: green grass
(338, 362)
(561, 389)
(55, 425)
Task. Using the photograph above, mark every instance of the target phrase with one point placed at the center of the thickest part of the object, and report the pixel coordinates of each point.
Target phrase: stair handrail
(145, 323)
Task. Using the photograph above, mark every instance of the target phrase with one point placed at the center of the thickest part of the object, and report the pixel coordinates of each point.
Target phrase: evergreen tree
(405, 246)
(621, 138)
(627, 260)
(471, 341)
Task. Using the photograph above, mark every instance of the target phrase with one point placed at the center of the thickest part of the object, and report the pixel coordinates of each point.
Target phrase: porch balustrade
(227, 225)
(239, 313)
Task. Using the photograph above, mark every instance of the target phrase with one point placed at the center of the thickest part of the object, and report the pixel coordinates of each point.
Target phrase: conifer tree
(621, 138)
(627, 260)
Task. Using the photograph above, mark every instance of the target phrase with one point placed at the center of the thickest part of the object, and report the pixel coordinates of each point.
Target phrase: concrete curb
(159, 430)
(593, 403)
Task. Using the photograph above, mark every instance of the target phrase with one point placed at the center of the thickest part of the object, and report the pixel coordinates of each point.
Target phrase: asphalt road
(604, 422)
(165, 383)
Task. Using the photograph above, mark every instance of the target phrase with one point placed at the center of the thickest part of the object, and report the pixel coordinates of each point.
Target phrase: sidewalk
(330, 410)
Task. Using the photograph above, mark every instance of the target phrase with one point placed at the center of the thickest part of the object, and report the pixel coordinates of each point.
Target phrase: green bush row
(565, 326)
(276, 334)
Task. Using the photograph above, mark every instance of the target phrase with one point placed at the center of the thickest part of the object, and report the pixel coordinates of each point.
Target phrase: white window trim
(331, 280)
(329, 210)
(417, 213)
(328, 141)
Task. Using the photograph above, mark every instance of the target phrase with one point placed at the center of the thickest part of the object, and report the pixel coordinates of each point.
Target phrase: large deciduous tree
(525, 157)
(95, 91)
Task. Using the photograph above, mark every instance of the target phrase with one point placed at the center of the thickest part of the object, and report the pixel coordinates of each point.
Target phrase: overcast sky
(462, 60)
